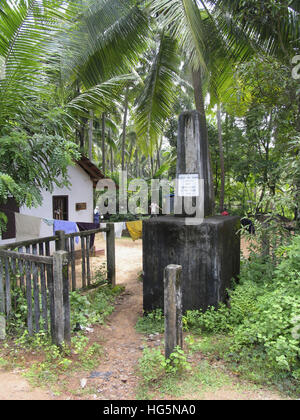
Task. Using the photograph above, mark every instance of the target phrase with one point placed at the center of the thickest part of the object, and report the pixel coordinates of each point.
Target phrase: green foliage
(18, 319)
(93, 307)
(153, 366)
(177, 362)
(31, 163)
(151, 322)
(264, 312)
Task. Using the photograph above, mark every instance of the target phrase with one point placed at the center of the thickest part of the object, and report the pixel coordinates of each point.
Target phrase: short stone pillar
(2, 328)
(193, 156)
(172, 308)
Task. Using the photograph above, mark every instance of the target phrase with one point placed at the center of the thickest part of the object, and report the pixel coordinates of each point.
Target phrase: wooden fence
(44, 279)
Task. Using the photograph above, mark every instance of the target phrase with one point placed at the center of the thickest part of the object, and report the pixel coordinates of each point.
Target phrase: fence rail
(44, 279)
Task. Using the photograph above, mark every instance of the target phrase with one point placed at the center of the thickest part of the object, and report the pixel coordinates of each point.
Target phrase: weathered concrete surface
(193, 155)
(209, 254)
(172, 308)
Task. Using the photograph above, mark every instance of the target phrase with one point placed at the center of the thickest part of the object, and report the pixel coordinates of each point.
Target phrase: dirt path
(115, 378)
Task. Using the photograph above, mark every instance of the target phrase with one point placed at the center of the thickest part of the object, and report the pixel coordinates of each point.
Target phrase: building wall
(80, 191)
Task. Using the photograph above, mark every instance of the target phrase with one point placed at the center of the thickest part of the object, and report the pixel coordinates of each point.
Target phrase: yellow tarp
(135, 229)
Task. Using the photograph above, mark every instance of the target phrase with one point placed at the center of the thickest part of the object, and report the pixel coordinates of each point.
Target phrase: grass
(247, 367)
(151, 323)
(204, 378)
(213, 368)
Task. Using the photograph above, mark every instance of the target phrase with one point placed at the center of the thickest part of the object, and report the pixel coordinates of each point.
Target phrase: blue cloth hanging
(66, 226)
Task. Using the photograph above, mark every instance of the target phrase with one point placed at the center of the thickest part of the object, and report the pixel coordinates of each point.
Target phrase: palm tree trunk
(103, 143)
(158, 149)
(111, 160)
(91, 122)
(152, 166)
(221, 151)
(137, 173)
(124, 127)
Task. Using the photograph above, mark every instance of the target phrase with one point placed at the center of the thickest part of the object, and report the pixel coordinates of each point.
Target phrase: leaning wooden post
(66, 301)
(60, 259)
(110, 254)
(172, 308)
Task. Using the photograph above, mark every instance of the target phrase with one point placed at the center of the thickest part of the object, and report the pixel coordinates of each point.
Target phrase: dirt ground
(115, 378)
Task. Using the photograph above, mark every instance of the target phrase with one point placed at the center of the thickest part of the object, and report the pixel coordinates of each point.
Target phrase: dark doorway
(9, 208)
(61, 207)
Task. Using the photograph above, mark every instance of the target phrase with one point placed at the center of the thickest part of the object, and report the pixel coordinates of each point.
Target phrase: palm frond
(183, 19)
(27, 28)
(105, 41)
(101, 96)
(155, 103)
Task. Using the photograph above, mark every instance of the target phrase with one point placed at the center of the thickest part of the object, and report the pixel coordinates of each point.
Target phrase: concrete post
(60, 243)
(172, 308)
(2, 327)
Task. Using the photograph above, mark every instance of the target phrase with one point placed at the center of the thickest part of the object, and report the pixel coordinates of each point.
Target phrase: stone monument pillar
(193, 156)
(207, 247)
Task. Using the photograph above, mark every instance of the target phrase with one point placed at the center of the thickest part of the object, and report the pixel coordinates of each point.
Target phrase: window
(61, 207)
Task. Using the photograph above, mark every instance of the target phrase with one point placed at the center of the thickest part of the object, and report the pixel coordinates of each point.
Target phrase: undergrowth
(42, 361)
(257, 333)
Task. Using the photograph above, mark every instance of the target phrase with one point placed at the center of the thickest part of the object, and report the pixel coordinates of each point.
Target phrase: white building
(73, 203)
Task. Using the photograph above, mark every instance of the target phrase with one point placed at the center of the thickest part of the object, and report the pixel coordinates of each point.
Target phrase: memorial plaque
(188, 185)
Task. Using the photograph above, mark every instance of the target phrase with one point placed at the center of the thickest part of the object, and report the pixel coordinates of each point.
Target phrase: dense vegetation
(109, 78)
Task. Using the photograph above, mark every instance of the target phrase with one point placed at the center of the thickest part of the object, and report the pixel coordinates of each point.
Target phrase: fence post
(66, 302)
(60, 243)
(172, 308)
(59, 263)
(2, 296)
(110, 254)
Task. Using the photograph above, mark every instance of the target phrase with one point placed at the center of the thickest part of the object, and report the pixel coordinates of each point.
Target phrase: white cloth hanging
(103, 226)
(27, 227)
(119, 227)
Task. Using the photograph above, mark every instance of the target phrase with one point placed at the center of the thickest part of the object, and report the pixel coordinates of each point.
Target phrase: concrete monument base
(209, 254)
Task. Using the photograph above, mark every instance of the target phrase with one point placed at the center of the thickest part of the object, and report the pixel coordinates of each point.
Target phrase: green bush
(153, 365)
(150, 323)
(273, 321)
(94, 307)
(263, 315)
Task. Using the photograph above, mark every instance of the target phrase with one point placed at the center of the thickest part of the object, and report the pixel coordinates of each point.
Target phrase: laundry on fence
(103, 226)
(66, 226)
(49, 222)
(119, 227)
(82, 226)
(27, 227)
(135, 229)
